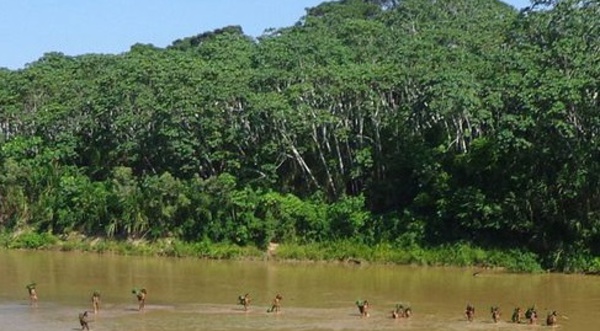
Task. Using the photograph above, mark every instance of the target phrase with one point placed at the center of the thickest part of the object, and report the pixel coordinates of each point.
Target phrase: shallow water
(190, 294)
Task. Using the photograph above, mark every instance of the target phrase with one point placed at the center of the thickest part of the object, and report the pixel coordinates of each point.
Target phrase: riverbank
(462, 255)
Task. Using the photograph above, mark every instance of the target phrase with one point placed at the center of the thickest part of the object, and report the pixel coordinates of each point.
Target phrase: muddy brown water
(191, 294)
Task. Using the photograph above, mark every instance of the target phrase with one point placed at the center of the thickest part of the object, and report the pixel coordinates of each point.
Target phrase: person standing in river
(398, 312)
(401, 311)
(96, 301)
(531, 315)
(470, 312)
(33, 297)
(244, 300)
(407, 312)
(83, 320)
(517, 315)
(551, 319)
(495, 311)
(141, 297)
(363, 308)
(276, 305)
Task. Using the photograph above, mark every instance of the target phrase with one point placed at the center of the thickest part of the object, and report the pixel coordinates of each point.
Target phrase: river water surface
(191, 294)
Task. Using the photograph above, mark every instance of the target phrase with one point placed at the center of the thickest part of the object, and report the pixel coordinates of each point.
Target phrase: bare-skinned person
(244, 300)
(363, 307)
(96, 301)
(276, 304)
(407, 312)
(398, 312)
(83, 320)
(401, 311)
(141, 297)
(517, 315)
(32, 291)
(531, 315)
(495, 311)
(552, 319)
(470, 312)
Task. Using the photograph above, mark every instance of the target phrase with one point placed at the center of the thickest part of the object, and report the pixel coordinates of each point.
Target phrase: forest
(405, 123)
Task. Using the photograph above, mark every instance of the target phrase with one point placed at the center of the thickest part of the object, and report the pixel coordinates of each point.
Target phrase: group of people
(84, 317)
(400, 311)
(245, 300)
(530, 316)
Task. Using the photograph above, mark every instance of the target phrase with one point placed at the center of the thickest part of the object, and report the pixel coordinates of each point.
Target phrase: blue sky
(30, 28)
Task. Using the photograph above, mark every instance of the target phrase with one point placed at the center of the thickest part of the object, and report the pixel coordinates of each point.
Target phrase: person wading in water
(552, 319)
(33, 297)
(244, 300)
(470, 312)
(83, 320)
(363, 308)
(276, 305)
(141, 296)
(96, 301)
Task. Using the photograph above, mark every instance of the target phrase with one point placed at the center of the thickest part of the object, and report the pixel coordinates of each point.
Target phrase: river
(192, 294)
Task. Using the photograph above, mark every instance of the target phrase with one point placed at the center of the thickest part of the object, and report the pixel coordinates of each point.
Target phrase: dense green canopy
(401, 121)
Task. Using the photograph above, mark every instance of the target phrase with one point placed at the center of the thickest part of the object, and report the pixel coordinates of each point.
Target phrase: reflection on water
(189, 294)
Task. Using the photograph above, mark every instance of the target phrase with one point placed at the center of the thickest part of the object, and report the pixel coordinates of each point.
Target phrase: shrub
(33, 240)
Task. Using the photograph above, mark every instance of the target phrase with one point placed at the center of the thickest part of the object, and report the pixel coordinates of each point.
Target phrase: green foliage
(349, 218)
(32, 240)
(523, 261)
(429, 132)
(448, 255)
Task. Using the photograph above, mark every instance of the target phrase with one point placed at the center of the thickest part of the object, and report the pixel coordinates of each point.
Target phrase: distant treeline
(408, 123)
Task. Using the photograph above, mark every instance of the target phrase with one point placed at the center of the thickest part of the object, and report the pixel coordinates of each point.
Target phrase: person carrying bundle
(141, 296)
(33, 297)
(531, 315)
(244, 300)
(517, 315)
(83, 320)
(363, 307)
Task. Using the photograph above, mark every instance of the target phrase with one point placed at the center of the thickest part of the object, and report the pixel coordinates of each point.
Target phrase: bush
(33, 240)
(519, 261)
